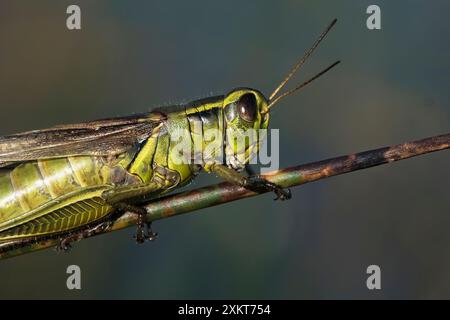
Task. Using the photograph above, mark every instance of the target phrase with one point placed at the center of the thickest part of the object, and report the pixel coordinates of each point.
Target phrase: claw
(283, 194)
(141, 235)
(150, 236)
(257, 183)
(64, 245)
(139, 238)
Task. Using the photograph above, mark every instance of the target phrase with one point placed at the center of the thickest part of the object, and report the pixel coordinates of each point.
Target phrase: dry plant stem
(189, 201)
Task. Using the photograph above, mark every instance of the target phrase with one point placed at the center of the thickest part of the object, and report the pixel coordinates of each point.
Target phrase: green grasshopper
(71, 180)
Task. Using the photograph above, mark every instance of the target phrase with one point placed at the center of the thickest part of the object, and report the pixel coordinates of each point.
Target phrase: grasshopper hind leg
(144, 230)
(65, 242)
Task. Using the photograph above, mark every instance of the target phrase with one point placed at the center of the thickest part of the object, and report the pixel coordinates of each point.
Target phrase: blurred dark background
(130, 56)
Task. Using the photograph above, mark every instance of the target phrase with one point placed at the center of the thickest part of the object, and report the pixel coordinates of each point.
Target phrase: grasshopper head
(246, 108)
(245, 113)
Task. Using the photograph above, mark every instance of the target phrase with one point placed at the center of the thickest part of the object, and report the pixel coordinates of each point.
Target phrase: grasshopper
(72, 180)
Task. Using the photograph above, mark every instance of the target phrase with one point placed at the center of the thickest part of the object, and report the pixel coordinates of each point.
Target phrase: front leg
(255, 183)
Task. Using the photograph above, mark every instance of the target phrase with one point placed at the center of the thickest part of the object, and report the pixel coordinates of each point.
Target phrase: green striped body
(53, 196)
(31, 189)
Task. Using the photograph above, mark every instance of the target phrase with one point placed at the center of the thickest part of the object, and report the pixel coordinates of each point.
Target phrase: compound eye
(246, 107)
